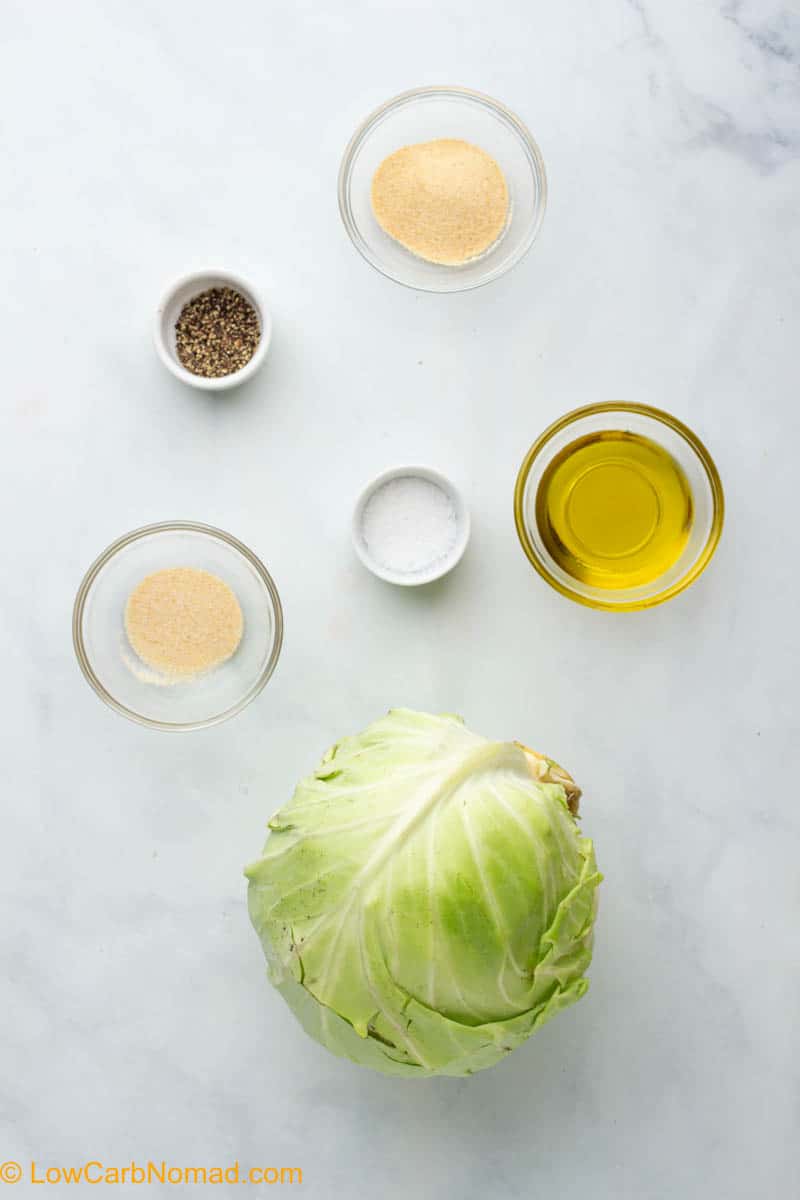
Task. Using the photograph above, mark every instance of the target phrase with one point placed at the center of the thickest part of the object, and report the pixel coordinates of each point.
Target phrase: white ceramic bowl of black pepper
(187, 289)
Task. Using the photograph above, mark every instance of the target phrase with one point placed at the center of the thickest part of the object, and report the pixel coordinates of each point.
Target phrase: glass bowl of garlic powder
(442, 189)
(177, 625)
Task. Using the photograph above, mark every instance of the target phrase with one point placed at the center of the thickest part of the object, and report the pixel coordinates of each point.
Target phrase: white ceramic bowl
(439, 566)
(422, 115)
(184, 290)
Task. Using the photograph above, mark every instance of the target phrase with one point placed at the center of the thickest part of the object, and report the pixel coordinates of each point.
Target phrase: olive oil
(614, 509)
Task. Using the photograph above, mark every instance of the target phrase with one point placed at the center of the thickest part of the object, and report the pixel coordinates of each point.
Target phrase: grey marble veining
(142, 141)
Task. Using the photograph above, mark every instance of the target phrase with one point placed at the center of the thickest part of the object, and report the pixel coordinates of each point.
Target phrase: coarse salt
(408, 524)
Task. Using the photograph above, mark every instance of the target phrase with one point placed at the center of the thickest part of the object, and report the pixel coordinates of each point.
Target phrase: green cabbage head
(425, 900)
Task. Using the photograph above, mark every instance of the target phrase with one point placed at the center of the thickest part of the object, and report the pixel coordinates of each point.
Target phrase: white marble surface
(141, 141)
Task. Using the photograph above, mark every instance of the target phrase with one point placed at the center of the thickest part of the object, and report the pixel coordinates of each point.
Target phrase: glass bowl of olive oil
(619, 506)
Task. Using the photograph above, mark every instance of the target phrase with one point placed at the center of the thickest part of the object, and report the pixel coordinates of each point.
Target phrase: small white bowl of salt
(410, 526)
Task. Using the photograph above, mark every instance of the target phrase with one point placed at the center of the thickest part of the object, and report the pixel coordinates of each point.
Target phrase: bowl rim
(237, 283)
(102, 560)
(703, 456)
(374, 118)
(446, 564)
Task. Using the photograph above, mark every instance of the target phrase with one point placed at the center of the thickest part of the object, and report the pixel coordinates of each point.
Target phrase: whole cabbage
(425, 900)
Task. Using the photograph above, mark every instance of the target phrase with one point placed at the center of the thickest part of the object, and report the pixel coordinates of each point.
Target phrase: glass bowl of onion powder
(442, 189)
(177, 625)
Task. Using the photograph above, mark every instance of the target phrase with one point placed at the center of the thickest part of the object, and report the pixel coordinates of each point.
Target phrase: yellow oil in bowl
(614, 509)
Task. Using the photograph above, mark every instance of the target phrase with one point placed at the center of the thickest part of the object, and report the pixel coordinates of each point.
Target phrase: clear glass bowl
(112, 668)
(422, 115)
(687, 450)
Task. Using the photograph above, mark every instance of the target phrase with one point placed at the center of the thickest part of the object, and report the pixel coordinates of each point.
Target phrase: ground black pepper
(217, 333)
